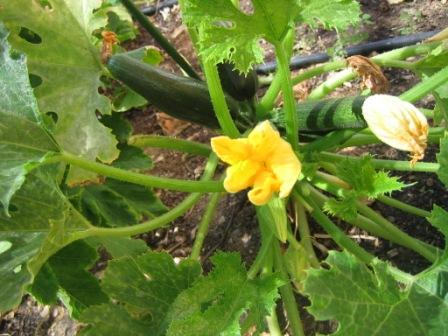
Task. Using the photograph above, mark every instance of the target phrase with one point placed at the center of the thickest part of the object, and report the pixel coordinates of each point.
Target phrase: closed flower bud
(397, 123)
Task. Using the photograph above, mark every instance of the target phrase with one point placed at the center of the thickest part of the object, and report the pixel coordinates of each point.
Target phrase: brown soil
(234, 227)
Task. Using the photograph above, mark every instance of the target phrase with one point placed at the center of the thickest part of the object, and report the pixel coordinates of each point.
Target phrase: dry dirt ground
(234, 227)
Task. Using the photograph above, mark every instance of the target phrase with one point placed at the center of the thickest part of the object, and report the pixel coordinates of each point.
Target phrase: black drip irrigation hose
(152, 10)
(299, 62)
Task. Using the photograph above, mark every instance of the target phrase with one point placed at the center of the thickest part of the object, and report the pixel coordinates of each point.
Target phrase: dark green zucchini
(188, 99)
(326, 115)
(181, 97)
(239, 86)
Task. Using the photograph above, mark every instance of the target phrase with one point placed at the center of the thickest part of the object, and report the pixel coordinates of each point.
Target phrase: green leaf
(120, 126)
(23, 139)
(116, 203)
(125, 99)
(42, 222)
(120, 246)
(332, 14)
(349, 291)
(67, 271)
(132, 158)
(442, 159)
(216, 303)
(68, 64)
(113, 320)
(344, 207)
(144, 288)
(226, 33)
(365, 180)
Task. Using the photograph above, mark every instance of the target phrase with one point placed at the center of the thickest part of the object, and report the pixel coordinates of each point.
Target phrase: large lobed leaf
(68, 64)
(20, 149)
(216, 303)
(65, 275)
(333, 14)
(371, 302)
(153, 296)
(42, 221)
(226, 33)
(145, 287)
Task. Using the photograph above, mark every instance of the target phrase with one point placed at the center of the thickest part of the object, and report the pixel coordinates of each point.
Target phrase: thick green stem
(337, 234)
(287, 294)
(158, 36)
(361, 139)
(219, 102)
(157, 222)
(142, 179)
(319, 70)
(386, 229)
(204, 225)
(426, 86)
(403, 206)
(273, 326)
(291, 120)
(346, 75)
(426, 167)
(265, 250)
(405, 239)
(267, 102)
(157, 141)
(359, 221)
(305, 235)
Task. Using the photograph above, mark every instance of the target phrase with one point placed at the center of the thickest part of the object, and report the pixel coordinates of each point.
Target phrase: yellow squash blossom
(263, 161)
(397, 123)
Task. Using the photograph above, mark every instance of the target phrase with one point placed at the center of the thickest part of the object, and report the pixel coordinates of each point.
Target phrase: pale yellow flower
(263, 161)
(397, 123)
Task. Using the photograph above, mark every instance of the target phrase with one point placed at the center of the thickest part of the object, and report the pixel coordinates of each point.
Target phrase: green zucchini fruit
(326, 115)
(239, 86)
(188, 99)
(181, 97)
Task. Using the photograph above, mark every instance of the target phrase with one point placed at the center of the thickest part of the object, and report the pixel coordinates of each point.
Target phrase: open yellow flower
(263, 161)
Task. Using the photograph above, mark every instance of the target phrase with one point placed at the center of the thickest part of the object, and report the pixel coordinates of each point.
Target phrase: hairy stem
(204, 225)
(305, 235)
(336, 233)
(267, 102)
(403, 206)
(291, 120)
(219, 102)
(427, 167)
(157, 222)
(387, 229)
(158, 36)
(346, 75)
(142, 179)
(287, 293)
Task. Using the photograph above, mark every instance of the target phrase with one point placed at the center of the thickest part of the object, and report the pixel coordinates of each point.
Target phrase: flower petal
(286, 167)
(263, 139)
(231, 151)
(264, 187)
(396, 122)
(241, 175)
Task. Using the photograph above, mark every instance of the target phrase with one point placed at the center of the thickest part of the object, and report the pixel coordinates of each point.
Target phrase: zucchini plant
(72, 180)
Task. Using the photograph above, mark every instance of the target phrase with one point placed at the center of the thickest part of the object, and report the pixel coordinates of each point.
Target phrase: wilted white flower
(397, 123)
